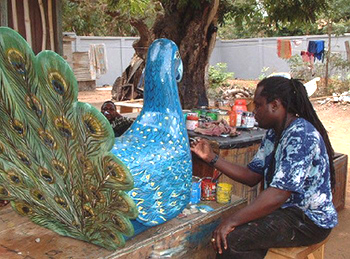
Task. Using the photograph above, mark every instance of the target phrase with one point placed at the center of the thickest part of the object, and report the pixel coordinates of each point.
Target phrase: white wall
(245, 57)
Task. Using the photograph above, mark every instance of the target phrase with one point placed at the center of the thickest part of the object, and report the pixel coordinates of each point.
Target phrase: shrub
(218, 77)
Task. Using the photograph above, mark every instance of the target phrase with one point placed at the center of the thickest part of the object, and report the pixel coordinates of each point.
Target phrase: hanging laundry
(98, 58)
(317, 48)
(307, 56)
(284, 49)
(297, 43)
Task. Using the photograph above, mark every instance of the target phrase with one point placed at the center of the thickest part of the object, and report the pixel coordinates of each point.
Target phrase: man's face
(263, 111)
(108, 110)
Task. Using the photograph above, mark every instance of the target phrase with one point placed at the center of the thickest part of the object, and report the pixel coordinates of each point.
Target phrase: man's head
(274, 96)
(109, 110)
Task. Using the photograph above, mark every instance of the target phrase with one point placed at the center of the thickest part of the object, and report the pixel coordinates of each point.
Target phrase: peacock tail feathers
(55, 162)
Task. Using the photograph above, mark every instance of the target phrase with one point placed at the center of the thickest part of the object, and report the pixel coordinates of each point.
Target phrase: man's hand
(202, 148)
(220, 234)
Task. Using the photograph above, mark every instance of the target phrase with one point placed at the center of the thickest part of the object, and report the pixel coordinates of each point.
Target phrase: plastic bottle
(233, 117)
(240, 107)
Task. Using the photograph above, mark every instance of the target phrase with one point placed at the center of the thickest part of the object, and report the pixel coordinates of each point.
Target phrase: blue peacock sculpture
(60, 164)
(155, 148)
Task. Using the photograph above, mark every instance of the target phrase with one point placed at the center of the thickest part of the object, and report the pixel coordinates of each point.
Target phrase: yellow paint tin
(223, 192)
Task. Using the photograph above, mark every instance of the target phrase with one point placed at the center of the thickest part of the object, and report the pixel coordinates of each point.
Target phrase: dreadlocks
(294, 99)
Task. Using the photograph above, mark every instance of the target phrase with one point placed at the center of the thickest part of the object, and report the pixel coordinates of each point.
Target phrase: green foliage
(218, 75)
(97, 18)
(271, 18)
(263, 73)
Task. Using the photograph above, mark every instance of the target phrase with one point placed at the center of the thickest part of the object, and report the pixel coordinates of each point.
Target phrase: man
(119, 123)
(295, 163)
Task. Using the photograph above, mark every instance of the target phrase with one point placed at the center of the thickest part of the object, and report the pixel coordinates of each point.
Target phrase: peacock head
(163, 70)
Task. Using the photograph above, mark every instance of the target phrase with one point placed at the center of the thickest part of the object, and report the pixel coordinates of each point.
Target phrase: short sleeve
(259, 161)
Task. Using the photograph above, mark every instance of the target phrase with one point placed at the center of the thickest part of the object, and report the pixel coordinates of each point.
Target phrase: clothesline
(252, 45)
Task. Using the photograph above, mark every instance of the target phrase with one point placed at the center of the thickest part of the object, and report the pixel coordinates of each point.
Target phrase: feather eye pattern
(156, 147)
(55, 162)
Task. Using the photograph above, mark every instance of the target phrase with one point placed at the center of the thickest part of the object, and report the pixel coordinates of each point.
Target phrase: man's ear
(276, 104)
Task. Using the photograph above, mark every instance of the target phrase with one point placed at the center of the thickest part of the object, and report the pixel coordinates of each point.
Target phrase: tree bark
(193, 29)
(328, 53)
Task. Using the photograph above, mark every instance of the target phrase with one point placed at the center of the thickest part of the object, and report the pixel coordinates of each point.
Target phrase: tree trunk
(193, 29)
(328, 53)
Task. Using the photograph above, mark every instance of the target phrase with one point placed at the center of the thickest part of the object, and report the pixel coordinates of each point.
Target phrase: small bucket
(223, 192)
(196, 190)
(208, 189)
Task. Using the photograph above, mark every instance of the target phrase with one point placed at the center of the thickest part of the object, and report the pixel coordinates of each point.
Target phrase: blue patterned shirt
(302, 167)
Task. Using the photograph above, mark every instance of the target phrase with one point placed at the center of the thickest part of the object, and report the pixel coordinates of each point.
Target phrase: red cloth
(284, 49)
(307, 56)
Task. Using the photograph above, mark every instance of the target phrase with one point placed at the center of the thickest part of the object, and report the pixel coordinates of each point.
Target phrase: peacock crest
(55, 162)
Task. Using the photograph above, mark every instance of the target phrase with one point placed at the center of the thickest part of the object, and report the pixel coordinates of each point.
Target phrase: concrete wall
(245, 57)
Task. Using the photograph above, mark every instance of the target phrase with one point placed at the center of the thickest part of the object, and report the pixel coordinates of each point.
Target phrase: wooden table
(187, 237)
(131, 106)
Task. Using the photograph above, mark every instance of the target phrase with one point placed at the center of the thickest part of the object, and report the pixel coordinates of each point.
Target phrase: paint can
(196, 190)
(248, 120)
(223, 192)
(208, 189)
(192, 121)
(212, 116)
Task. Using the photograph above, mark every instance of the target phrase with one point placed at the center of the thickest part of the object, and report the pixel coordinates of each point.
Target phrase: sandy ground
(336, 119)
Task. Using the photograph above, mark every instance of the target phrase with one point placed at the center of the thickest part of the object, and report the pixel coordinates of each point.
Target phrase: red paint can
(208, 189)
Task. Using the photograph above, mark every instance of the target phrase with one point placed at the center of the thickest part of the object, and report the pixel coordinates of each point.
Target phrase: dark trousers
(288, 227)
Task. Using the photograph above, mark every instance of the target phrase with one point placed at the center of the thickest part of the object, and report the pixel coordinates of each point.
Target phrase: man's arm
(237, 173)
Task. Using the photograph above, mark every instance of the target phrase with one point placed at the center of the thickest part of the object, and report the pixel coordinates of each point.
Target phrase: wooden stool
(315, 251)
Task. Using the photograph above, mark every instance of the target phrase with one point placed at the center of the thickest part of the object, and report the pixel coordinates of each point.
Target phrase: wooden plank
(300, 252)
(341, 171)
(58, 27)
(14, 15)
(187, 237)
(3, 13)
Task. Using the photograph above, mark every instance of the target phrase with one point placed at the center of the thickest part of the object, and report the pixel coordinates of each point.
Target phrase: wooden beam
(43, 24)
(14, 15)
(58, 32)
(51, 32)
(3, 13)
(27, 22)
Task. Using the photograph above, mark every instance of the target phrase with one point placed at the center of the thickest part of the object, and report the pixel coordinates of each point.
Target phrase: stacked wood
(235, 92)
(82, 67)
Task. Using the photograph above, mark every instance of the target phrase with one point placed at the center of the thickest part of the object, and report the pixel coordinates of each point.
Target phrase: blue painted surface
(156, 147)
(205, 232)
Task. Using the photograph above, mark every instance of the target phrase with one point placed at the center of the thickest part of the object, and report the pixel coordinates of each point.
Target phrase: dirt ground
(336, 119)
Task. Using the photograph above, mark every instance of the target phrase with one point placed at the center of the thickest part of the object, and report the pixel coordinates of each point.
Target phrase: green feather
(55, 162)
